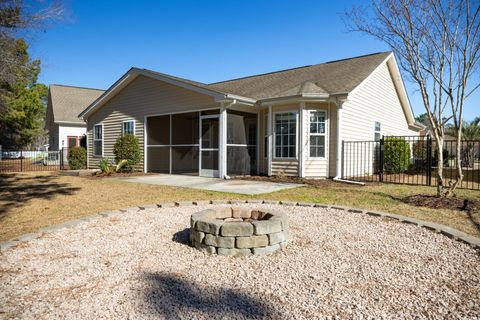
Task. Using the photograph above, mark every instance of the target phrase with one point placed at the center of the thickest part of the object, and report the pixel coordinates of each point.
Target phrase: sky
(205, 41)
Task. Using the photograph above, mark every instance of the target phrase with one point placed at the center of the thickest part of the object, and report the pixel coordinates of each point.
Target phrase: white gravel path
(338, 265)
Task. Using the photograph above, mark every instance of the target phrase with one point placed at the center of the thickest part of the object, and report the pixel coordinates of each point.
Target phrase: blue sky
(206, 41)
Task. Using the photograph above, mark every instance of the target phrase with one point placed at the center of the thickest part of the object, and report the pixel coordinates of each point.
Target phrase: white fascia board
(296, 98)
(78, 123)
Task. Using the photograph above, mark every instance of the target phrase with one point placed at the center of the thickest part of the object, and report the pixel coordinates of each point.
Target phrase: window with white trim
(285, 135)
(378, 131)
(128, 127)
(98, 140)
(317, 133)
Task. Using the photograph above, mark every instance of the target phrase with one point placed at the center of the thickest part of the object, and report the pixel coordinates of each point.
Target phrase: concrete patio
(212, 184)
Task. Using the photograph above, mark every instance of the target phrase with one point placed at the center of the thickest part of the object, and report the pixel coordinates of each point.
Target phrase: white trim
(270, 142)
(296, 133)
(339, 139)
(93, 139)
(81, 124)
(208, 172)
(301, 142)
(145, 144)
(134, 126)
(325, 134)
(222, 142)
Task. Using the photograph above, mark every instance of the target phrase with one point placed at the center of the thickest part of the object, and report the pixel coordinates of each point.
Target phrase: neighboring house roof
(335, 77)
(67, 102)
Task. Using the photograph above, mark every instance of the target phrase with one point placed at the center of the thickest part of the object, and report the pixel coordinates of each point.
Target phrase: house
(65, 128)
(288, 122)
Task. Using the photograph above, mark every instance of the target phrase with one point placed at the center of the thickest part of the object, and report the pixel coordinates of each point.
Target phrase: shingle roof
(340, 76)
(68, 102)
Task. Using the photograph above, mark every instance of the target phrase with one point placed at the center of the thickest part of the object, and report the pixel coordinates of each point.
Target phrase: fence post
(429, 160)
(382, 158)
(343, 158)
(61, 159)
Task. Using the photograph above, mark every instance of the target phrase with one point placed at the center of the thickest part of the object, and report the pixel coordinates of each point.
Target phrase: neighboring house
(65, 128)
(287, 122)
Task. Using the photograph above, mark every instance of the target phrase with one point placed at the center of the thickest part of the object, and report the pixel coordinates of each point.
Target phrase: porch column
(222, 143)
(339, 139)
(301, 141)
(270, 140)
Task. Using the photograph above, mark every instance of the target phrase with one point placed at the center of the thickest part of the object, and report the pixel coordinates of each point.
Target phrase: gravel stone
(338, 265)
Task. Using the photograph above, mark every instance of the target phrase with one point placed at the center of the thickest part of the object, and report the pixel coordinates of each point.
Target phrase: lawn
(30, 201)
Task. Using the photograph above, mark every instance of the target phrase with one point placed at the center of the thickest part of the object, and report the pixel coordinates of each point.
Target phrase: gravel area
(339, 264)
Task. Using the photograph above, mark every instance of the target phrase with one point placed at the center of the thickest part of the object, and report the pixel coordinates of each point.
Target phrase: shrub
(105, 166)
(397, 154)
(77, 158)
(127, 148)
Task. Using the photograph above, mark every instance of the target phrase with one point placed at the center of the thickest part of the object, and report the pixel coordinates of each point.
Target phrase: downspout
(338, 176)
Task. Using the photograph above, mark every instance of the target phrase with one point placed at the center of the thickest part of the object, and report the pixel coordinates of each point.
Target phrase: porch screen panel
(241, 143)
(185, 160)
(185, 128)
(158, 130)
(158, 159)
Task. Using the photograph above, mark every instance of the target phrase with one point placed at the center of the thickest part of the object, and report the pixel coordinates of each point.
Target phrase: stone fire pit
(238, 231)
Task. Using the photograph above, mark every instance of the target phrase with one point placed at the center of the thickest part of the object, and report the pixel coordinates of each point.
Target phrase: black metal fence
(410, 160)
(24, 161)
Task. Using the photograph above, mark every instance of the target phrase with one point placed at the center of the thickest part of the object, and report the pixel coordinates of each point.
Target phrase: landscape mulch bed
(453, 203)
(286, 179)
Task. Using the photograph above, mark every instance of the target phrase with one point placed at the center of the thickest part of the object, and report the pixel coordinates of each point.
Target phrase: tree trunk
(440, 180)
(458, 164)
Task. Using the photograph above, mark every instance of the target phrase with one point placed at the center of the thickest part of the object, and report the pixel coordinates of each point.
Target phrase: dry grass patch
(30, 201)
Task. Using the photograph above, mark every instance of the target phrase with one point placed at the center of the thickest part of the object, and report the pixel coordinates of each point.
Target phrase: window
(72, 141)
(285, 135)
(378, 134)
(317, 133)
(128, 127)
(98, 140)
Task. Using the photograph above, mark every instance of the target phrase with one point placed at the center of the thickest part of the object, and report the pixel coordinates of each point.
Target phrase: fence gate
(24, 161)
(409, 160)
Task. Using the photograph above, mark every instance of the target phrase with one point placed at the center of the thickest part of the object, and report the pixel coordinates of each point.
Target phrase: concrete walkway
(212, 184)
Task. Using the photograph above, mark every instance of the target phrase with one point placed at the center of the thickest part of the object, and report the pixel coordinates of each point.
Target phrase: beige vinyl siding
(375, 100)
(142, 97)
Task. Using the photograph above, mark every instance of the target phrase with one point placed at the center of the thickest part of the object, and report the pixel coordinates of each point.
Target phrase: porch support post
(301, 141)
(339, 139)
(270, 140)
(222, 143)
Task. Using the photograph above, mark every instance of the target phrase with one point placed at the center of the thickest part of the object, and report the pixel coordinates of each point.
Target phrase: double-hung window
(98, 140)
(378, 131)
(128, 127)
(285, 135)
(317, 133)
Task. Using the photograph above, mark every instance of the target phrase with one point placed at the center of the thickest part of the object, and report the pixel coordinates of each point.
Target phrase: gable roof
(68, 101)
(319, 80)
(335, 77)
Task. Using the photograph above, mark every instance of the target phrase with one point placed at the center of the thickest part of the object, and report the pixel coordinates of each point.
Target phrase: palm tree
(471, 136)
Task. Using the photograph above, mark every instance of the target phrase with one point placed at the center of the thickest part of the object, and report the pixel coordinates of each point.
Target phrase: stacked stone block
(239, 231)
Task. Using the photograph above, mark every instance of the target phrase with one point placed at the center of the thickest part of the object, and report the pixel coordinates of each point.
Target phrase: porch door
(209, 131)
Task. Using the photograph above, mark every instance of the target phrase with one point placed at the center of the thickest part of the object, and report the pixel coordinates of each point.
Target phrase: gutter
(337, 179)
